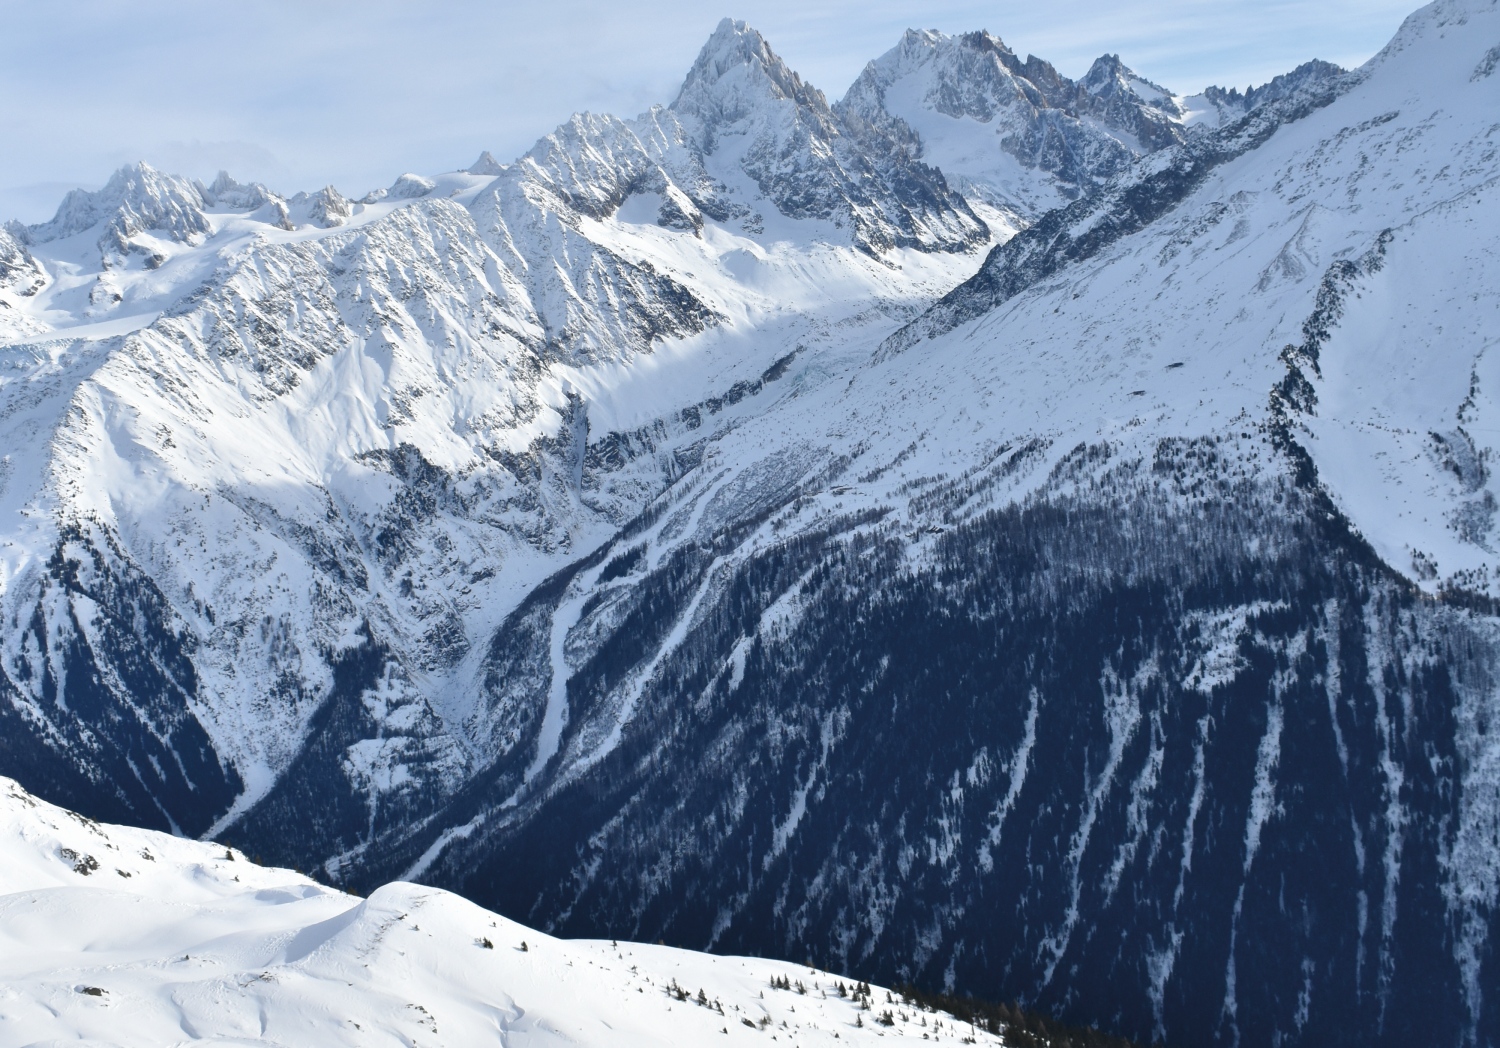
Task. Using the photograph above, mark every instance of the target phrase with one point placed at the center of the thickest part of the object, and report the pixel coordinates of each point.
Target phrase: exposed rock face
(410, 186)
(19, 272)
(486, 165)
(228, 192)
(1041, 138)
(328, 208)
(592, 302)
(136, 199)
(744, 108)
(1232, 103)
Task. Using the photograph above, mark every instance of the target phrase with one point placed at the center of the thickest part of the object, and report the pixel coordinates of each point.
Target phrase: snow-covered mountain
(753, 117)
(111, 935)
(691, 531)
(1021, 137)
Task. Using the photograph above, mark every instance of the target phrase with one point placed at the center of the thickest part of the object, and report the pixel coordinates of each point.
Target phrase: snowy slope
(299, 427)
(1287, 319)
(649, 536)
(254, 479)
(115, 936)
(1354, 246)
(1076, 351)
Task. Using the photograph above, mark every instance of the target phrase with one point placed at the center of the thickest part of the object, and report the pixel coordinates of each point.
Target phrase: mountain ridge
(224, 948)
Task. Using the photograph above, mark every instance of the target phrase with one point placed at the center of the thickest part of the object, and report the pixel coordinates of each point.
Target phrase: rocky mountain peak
(411, 186)
(19, 272)
(805, 160)
(137, 198)
(328, 208)
(737, 75)
(1109, 76)
(590, 164)
(1054, 138)
(227, 192)
(486, 165)
(921, 46)
(1142, 114)
(1305, 75)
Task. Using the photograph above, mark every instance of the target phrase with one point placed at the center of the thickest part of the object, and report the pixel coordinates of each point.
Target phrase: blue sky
(301, 93)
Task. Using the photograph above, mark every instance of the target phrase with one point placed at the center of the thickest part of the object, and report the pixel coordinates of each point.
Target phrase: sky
(304, 93)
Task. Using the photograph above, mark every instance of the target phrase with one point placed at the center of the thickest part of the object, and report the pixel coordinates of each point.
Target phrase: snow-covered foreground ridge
(117, 936)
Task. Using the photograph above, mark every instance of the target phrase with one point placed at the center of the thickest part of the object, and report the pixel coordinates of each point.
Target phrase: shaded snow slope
(115, 936)
(305, 450)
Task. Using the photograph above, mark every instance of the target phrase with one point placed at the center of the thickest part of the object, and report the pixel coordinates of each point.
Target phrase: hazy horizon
(353, 95)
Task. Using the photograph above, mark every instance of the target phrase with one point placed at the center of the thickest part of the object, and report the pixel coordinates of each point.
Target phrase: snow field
(117, 936)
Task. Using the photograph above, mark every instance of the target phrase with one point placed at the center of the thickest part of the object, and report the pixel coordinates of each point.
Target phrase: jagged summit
(328, 208)
(1110, 76)
(591, 163)
(736, 74)
(1231, 103)
(1130, 105)
(486, 165)
(1048, 139)
(806, 161)
(228, 192)
(1043, 138)
(135, 199)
